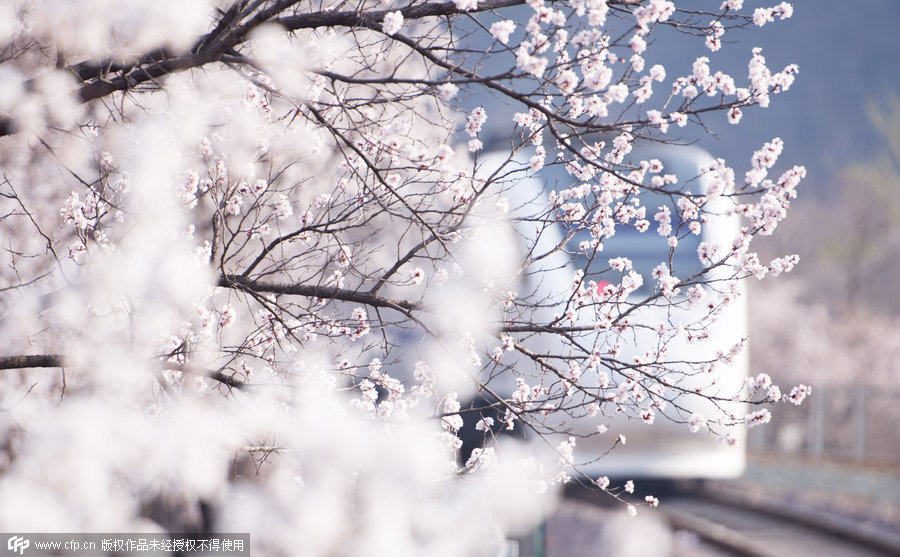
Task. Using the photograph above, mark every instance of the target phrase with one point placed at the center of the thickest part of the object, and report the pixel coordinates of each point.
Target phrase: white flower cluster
(392, 23)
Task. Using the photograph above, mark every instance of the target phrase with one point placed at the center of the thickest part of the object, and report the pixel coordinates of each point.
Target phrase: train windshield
(646, 250)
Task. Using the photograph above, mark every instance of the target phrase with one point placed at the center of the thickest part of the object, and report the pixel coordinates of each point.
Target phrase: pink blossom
(451, 421)
(226, 317)
(657, 72)
(476, 119)
(761, 16)
(783, 264)
(758, 418)
(656, 117)
(283, 208)
(597, 14)
(638, 44)
(233, 205)
(697, 422)
(343, 256)
(534, 65)
(466, 5)
(416, 276)
(565, 451)
(536, 162)
(664, 217)
(482, 458)
(392, 23)
(620, 264)
(484, 424)
(637, 62)
(596, 107)
(74, 211)
(501, 30)
(567, 81)
(616, 93)
(666, 281)
(446, 91)
(798, 394)
(655, 10)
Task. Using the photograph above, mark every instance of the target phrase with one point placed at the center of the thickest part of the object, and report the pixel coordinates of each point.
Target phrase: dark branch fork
(225, 37)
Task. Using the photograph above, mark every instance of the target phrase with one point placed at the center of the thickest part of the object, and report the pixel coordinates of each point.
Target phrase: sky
(848, 53)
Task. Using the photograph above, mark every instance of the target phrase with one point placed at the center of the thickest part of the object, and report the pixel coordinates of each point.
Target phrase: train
(685, 440)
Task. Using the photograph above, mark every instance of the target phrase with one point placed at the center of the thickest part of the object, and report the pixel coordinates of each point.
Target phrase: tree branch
(32, 360)
(315, 291)
(371, 18)
(58, 360)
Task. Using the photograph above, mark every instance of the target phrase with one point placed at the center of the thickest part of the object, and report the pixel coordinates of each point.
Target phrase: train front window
(646, 250)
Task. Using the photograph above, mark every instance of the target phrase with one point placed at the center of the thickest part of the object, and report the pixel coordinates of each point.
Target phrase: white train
(667, 449)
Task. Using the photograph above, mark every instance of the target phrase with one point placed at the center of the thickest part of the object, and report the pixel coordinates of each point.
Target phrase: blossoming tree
(261, 256)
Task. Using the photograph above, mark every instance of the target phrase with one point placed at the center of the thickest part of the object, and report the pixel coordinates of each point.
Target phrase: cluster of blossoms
(772, 206)
(256, 97)
(524, 399)
(763, 81)
(392, 23)
(697, 422)
(393, 405)
(667, 282)
(565, 450)
(446, 91)
(362, 324)
(714, 38)
(763, 382)
(482, 458)
(508, 346)
(476, 119)
(758, 418)
(237, 197)
(761, 16)
(501, 30)
(90, 216)
(798, 394)
(81, 213)
(451, 421)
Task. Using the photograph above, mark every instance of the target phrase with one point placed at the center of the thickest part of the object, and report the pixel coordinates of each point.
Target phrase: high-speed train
(684, 440)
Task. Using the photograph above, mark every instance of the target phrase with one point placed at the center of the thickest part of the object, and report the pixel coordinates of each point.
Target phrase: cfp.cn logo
(17, 544)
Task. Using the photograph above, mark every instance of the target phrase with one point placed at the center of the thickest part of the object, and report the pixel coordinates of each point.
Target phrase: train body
(668, 447)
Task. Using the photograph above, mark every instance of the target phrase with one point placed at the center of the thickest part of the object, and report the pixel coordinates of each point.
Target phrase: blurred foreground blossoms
(257, 264)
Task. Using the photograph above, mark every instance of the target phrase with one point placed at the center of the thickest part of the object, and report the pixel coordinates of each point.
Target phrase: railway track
(741, 525)
(717, 522)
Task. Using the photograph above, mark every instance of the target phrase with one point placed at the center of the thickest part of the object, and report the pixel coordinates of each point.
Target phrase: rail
(768, 526)
(717, 519)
